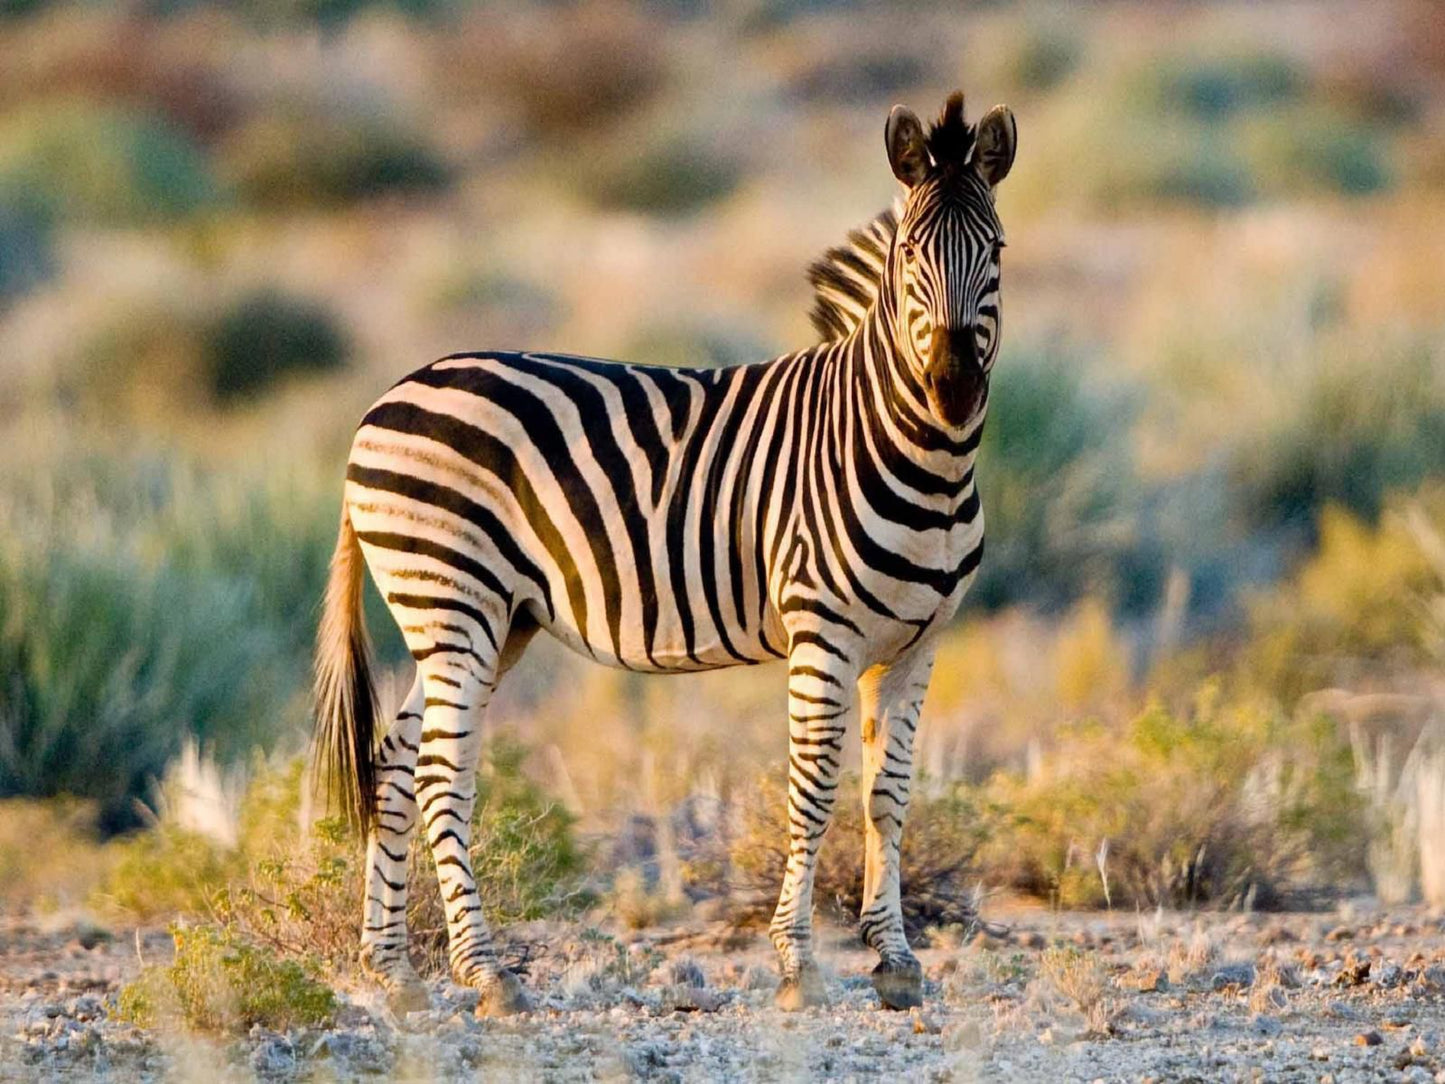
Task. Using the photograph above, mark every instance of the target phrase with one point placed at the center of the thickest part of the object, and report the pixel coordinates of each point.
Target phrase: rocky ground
(1355, 994)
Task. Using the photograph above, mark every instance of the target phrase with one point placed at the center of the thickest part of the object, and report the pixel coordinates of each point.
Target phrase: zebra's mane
(847, 278)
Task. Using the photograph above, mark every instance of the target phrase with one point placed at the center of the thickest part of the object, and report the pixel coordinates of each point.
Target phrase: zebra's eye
(908, 251)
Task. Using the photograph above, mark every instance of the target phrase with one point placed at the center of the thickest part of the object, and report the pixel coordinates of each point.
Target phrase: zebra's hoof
(803, 991)
(899, 983)
(408, 996)
(503, 997)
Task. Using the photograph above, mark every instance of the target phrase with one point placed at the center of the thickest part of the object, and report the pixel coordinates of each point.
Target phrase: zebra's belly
(670, 649)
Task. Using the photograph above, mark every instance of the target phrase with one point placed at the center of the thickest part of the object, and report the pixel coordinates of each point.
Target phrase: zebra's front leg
(820, 706)
(383, 933)
(891, 702)
(446, 790)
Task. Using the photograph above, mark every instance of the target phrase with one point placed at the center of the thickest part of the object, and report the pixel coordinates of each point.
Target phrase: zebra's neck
(893, 406)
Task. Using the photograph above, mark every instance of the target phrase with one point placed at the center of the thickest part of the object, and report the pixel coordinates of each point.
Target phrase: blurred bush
(1059, 492)
(1214, 130)
(1217, 88)
(858, 77)
(265, 337)
(102, 163)
(1345, 438)
(282, 160)
(695, 346)
(166, 363)
(564, 70)
(669, 174)
(1364, 606)
(1042, 59)
(122, 58)
(27, 257)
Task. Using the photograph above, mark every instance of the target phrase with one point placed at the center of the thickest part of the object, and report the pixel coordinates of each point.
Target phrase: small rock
(1030, 939)
(1233, 975)
(1263, 1024)
(274, 1057)
(1340, 933)
(690, 999)
(1390, 975)
(1368, 1038)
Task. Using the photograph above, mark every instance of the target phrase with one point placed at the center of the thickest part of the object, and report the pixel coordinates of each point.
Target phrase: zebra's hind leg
(820, 705)
(892, 700)
(458, 687)
(383, 933)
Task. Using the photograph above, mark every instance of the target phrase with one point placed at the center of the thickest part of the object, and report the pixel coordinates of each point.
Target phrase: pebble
(274, 1057)
(1368, 1038)
(1264, 1024)
(1233, 975)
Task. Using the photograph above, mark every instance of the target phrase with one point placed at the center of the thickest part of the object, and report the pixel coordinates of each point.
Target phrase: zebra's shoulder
(846, 278)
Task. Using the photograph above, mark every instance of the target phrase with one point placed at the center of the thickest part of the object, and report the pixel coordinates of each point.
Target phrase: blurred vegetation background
(1207, 638)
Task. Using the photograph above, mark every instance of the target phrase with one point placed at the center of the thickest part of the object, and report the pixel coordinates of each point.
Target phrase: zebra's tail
(346, 704)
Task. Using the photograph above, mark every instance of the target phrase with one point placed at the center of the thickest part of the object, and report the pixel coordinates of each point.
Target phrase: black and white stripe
(816, 508)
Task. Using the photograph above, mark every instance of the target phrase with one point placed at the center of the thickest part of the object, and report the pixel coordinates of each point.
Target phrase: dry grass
(1081, 979)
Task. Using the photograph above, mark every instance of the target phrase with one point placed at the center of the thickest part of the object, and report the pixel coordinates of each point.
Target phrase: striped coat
(820, 508)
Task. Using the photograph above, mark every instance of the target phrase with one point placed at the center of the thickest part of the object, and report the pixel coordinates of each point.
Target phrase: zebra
(819, 508)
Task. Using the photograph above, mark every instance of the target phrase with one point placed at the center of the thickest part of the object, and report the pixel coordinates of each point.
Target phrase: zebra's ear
(907, 148)
(994, 146)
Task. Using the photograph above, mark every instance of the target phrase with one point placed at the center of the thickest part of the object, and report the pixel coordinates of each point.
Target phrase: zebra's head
(942, 281)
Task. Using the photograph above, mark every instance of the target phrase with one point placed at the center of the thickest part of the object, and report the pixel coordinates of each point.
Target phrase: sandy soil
(1355, 994)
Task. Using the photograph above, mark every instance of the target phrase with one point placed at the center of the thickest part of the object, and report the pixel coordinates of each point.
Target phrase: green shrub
(281, 161)
(266, 337)
(298, 891)
(1220, 802)
(218, 982)
(107, 663)
(108, 164)
(141, 602)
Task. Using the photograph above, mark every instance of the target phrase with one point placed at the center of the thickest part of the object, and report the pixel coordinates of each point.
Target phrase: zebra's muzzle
(954, 378)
